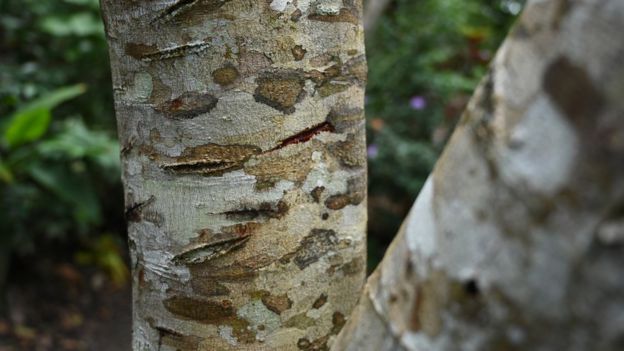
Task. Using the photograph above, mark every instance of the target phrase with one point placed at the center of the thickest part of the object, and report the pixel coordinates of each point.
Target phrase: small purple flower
(372, 151)
(418, 102)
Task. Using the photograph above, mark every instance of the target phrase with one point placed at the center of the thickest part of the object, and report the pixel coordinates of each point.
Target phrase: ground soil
(52, 303)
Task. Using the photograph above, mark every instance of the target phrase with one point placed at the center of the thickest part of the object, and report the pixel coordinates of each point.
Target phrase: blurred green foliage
(425, 59)
(59, 163)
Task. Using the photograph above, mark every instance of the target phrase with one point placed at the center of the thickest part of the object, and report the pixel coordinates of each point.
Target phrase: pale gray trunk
(373, 9)
(242, 133)
(516, 241)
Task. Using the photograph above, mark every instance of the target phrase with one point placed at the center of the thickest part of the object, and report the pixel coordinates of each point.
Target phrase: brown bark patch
(322, 60)
(357, 68)
(200, 310)
(188, 105)
(356, 193)
(338, 321)
(331, 88)
(208, 273)
(319, 344)
(210, 312)
(264, 211)
(437, 293)
(426, 314)
(225, 75)
(353, 267)
(303, 344)
(277, 303)
(236, 231)
(296, 15)
(315, 245)
(339, 77)
(280, 90)
(241, 330)
(298, 52)
(345, 119)
(321, 77)
(320, 301)
(138, 51)
(161, 92)
(572, 90)
(209, 288)
(242, 271)
(177, 340)
(270, 168)
(352, 152)
(300, 321)
(316, 193)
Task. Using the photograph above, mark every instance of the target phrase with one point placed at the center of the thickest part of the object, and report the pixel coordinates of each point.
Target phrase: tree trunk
(244, 165)
(373, 9)
(516, 241)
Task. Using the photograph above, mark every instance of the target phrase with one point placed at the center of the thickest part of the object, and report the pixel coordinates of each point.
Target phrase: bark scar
(200, 166)
(305, 135)
(175, 9)
(174, 52)
(133, 212)
(212, 159)
(203, 252)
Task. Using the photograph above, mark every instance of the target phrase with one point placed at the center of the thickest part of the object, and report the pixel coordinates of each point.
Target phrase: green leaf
(32, 121)
(79, 24)
(5, 173)
(75, 141)
(28, 125)
(71, 187)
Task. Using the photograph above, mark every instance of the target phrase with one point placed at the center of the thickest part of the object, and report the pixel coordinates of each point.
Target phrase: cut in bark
(516, 242)
(244, 166)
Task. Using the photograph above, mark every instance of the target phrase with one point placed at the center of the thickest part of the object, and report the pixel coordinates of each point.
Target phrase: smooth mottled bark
(516, 241)
(373, 9)
(243, 152)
